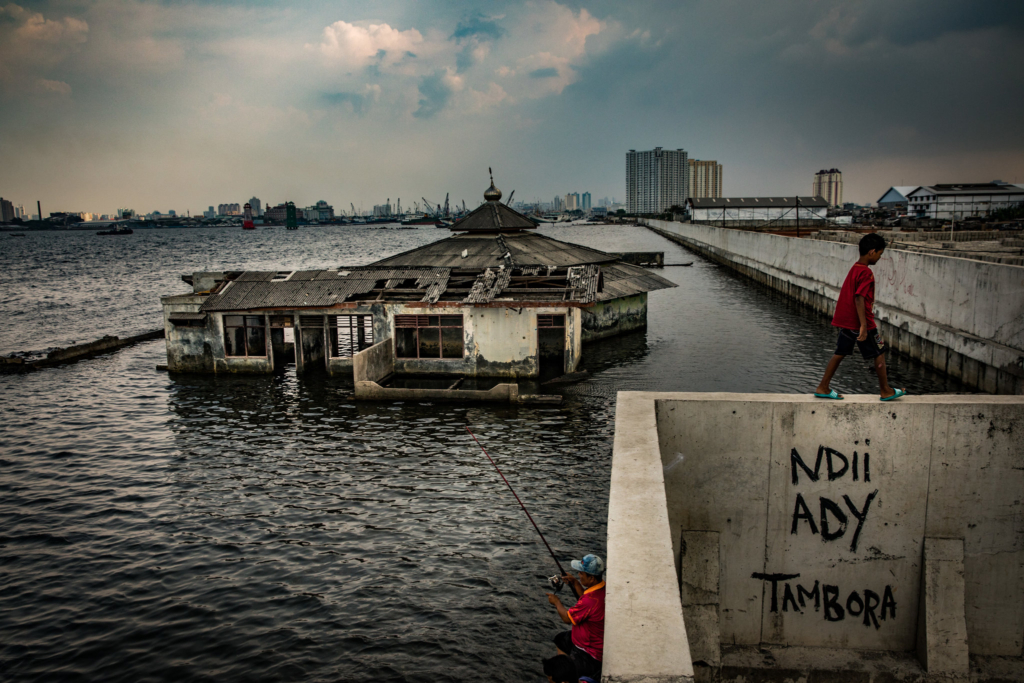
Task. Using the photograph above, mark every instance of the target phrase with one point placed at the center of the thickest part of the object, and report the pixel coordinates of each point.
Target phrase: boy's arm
(862, 315)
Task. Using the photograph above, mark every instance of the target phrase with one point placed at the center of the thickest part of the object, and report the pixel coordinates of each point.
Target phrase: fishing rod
(556, 581)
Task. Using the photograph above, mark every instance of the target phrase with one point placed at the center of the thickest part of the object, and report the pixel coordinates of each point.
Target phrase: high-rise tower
(656, 180)
(829, 186)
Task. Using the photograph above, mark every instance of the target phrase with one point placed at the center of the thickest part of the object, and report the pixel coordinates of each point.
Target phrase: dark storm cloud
(434, 95)
(355, 100)
(477, 27)
(549, 72)
(890, 93)
(930, 88)
(470, 33)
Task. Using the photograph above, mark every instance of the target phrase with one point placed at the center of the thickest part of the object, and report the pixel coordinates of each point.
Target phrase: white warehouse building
(746, 212)
(957, 202)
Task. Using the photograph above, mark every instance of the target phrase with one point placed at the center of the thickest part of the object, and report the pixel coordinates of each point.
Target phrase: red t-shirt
(860, 281)
(587, 617)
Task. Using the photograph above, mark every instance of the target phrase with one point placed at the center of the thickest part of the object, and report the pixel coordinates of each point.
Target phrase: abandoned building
(492, 300)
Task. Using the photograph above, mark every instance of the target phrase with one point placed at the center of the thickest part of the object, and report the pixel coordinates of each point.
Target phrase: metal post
(952, 220)
(798, 215)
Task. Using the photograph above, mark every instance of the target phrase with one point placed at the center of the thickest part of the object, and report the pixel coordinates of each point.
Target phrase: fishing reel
(556, 583)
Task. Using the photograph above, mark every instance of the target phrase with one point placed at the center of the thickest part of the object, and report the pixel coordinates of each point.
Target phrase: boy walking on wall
(856, 321)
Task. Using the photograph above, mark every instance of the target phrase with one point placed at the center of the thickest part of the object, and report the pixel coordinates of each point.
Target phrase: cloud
(478, 27)
(436, 91)
(474, 34)
(360, 44)
(358, 101)
(487, 99)
(546, 72)
(32, 45)
(53, 87)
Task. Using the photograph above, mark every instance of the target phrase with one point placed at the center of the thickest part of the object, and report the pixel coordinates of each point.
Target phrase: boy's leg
(883, 377)
(830, 370)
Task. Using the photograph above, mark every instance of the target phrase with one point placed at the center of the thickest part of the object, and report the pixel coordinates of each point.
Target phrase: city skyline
(124, 102)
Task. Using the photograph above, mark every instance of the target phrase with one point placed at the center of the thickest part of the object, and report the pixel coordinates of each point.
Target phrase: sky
(182, 105)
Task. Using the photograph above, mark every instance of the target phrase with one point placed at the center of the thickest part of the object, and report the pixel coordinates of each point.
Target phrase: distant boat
(17, 234)
(552, 218)
(422, 220)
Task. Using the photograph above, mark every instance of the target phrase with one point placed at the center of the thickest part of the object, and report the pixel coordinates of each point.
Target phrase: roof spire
(492, 194)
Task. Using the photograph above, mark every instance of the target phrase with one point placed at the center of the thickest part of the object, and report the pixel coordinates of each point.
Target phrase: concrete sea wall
(960, 316)
(851, 529)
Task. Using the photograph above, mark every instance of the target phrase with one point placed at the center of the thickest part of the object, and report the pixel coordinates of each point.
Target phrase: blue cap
(591, 564)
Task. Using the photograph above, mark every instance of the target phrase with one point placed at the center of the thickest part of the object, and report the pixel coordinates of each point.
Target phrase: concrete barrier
(71, 354)
(371, 391)
(961, 316)
(374, 363)
(850, 529)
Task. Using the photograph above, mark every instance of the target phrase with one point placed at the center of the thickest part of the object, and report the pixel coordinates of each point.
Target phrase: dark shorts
(870, 348)
(585, 664)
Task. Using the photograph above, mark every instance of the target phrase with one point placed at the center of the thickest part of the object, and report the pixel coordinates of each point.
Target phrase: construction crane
(446, 205)
(353, 209)
(509, 202)
(430, 206)
(399, 210)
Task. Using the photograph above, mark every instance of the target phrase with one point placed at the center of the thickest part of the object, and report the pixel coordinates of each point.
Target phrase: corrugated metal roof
(584, 281)
(482, 251)
(319, 288)
(493, 217)
(326, 288)
(756, 202)
(969, 189)
(256, 276)
(623, 279)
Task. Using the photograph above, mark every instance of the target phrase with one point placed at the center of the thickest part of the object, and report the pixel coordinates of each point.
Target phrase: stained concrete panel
(716, 457)
(976, 493)
(941, 632)
(864, 461)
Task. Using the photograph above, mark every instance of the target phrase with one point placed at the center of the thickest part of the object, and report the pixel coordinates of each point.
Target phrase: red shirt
(860, 281)
(587, 617)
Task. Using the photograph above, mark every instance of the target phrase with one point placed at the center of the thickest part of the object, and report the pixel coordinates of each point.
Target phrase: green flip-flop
(899, 392)
(832, 394)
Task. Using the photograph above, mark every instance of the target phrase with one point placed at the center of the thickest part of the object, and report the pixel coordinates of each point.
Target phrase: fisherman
(584, 643)
(560, 669)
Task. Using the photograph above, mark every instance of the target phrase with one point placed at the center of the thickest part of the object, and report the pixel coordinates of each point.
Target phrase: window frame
(414, 322)
(246, 326)
(357, 323)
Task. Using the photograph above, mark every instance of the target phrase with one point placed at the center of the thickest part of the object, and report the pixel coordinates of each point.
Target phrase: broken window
(550, 321)
(429, 336)
(187, 319)
(245, 335)
(349, 334)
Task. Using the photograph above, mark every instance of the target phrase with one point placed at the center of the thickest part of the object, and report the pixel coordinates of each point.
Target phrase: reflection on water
(161, 527)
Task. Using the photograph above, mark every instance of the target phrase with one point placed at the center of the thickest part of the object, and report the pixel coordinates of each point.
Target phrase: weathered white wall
(201, 349)
(972, 309)
(498, 342)
(932, 466)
